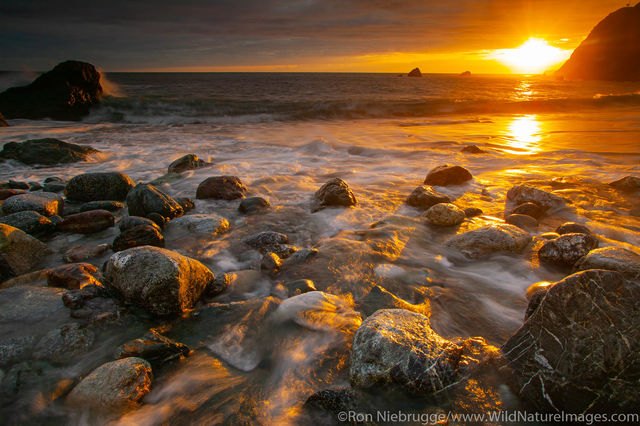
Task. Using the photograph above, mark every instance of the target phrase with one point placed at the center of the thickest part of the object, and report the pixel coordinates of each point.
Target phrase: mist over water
(285, 135)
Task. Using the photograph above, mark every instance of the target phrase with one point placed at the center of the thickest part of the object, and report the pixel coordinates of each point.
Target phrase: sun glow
(523, 135)
(533, 57)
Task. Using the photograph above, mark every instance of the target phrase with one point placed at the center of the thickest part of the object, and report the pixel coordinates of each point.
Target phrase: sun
(533, 57)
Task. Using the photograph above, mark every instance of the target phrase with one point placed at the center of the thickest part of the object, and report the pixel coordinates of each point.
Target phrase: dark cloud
(160, 33)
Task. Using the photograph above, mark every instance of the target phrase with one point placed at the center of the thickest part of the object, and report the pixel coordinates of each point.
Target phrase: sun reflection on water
(523, 135)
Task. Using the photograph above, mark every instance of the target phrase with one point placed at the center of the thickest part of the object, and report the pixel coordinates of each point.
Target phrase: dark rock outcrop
(415, 73)
(221, 188)
(129, 222)
(578, 351)
(627, 184)
(186, 162)
(610, 52)
(446, 175)
(334, 193)
(99, 186)
(64, 93)
(47, 151)
(145, 199)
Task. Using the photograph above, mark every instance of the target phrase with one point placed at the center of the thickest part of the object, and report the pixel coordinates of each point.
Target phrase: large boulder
(521, 194)
(21, 251)
(398, 347)
(424, 197)
(186, 162)
(610, 52)
(145, 199)
(578, 351)
(116, 386)
(334, 193)
(64, 93)
(31, 222)
(446, 175)
(99, 186)
(613, 259)
(415, 73)
(221, 188)
(160, 281)
(497, 238)
(47, 151)
(45, 203)
(567, 249)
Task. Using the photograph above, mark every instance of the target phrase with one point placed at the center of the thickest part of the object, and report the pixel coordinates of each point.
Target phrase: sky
(287, 35)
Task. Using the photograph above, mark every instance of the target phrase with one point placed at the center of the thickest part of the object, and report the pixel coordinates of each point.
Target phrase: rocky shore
(89, 329)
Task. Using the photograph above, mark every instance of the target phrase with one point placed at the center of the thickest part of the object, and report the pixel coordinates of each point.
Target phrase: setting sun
(533, 57)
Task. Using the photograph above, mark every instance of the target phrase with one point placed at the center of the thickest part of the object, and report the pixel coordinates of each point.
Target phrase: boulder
(186, 162)
(142, 235)
(200, 224)
(153, 347)
(415, 73)
(221, 188)
(217, 286)
(253, 205)
(472, 149)
(578, 350)
(45, 203)
(186, 203)
(73, 276)
(399, 347)
(160, 281)
(31, 222)
(17, 184)
(116, 386)
(473, 212)
(572, 228)
(270, 241)
(627, 184)
(64, 93)
(129, 222)
(379, 298)
(99, 186)
(612, 259)
(424, 197)
(447, 175)
(10, 192)
(145, 199)
(111, 206)
(82, 253)
(22, 252)
(444, 214)
(530, 209)
(334, 193)
(567, 249)
(87, 222)
(522, 221)
(270, 263)
(297, 287)
(63, 343)
(521, 194)
(497, 238)
(47, 151)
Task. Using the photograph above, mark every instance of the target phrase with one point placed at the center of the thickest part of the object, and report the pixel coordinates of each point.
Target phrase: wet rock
(64, 343)
(567, 249)
(398, 347)
(253, 205)
(145, 199)
(627, 184)
(473, 212)
(334, 193)
(424, 197)
(522, 221)
(54, 186)
(153, 347)
(111, 206)
(8, 192)
(31, 222)
(18, 185)
(217, 285)
(270, 262)
(82, 253)
(497, 238)
(270, 241)
(64, 93)
(15, 349)
(186, 162)
(73, 276)
(572, 228)
(99, 186)
(200, 224)
(444, 214)
(415, 73)
(6, 271)
(45, 203)
(331, 401)
(87, 222)
(129, 222)
(186, 203)
(221, 188)
(298, 287)
(158, 219)
(115, 386)
(75, 299)
(530, 209)
(22, 252)
(612, 259)
(35, 186)
(47, 151)
(578, 351)
(379, 298)
(141, 235)
(472, 149)
(521, 194)
(160, 281)
(447, 175)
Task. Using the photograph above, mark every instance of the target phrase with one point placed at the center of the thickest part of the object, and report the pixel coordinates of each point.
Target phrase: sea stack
(610, 52)
(415, 72)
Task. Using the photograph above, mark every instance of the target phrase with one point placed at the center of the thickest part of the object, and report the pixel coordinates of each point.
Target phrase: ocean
(284, 135)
